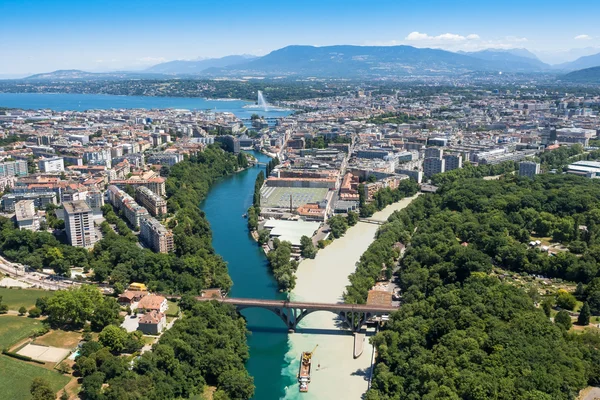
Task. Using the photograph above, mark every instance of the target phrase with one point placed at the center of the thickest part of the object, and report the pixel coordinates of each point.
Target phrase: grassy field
(14, 329)
(172, 309)
(17, 298)
(16, 378)
(59, 338)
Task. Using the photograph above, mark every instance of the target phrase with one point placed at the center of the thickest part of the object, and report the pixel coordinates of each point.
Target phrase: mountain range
(343, 62)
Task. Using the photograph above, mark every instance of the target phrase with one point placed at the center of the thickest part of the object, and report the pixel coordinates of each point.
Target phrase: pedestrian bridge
(292, 312)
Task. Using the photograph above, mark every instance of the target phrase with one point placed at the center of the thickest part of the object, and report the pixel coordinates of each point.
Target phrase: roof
(152, 318)
(151, 302)
(291, 231)
(78, 206)
(379, 298)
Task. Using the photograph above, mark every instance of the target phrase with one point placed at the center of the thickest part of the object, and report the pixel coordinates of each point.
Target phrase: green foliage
(34, 313)
(75, 307)
(40, 390)
(563, 319)
(566, 300)
(338, 226)
(352, 218)
(22, 310)
(475, 341)
(206, 347)
(307, 248)
(282, 267)
(584, 315)
(117, 340)
(386, 196)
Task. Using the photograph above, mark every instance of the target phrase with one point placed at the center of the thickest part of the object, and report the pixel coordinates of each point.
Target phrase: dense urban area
(492, 267)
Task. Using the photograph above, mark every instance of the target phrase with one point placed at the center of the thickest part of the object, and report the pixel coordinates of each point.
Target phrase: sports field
(16, 378)
(279, 197)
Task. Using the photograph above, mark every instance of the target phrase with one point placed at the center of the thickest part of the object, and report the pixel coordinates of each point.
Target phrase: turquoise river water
(224, 206)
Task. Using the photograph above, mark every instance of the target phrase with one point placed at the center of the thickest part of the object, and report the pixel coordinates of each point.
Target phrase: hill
(581, 63)
(587, 75)
(75, 74)
(185, 67)
(365, 61)
(521, 60)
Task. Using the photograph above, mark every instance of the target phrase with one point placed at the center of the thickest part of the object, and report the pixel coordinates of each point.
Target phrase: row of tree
(385, 196)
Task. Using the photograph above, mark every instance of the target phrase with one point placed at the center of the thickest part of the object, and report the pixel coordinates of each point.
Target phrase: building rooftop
(78, 206)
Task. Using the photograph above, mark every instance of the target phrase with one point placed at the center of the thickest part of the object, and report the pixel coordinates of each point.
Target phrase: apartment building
(25, 215)
(154, 203)
(529, 169)
(432, 166)
(51, 165)
(156, 236)
(156, 184)
(452, 161)
(133, 212)
(79, 224)
(14, 168)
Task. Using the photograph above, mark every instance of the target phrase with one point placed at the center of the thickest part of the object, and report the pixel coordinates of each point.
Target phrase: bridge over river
(292, 312)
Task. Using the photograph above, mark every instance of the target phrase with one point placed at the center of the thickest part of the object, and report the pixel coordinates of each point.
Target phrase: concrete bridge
(291, 312)
(371, 221)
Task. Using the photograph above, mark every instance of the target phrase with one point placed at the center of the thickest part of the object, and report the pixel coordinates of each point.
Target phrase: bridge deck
(303, 305)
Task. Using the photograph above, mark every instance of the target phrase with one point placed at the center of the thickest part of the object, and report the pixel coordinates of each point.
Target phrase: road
(37, 279)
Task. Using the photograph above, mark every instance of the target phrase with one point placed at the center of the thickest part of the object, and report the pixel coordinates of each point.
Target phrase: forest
(462, 333)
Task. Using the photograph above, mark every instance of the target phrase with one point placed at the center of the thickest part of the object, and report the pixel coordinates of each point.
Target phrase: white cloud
(455, 42)
(444, 37)
(583, 37)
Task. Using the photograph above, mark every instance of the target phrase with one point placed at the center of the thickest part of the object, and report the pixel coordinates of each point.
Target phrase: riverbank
(336, 373)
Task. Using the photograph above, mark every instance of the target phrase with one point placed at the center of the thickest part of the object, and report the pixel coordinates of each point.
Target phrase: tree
(563, 319)
(113, 337)
(584, 315)
(35, 312)
(40, 389)
(352, 218)
(547, 307)
(566, 300)
(307, 248)
(22, 310)
(106, 313)
(165, 171)
(338, 226)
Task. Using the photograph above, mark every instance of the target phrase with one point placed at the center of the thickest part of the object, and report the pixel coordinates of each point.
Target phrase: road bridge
(292, 312)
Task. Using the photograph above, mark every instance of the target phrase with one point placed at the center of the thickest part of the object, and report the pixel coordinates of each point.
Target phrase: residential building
(153, 302)
(156, 184)
(154, 203)
(40, 199)
(156, 236)
(51, 165)
(165, 158)
(152, 323)
(79, 224)
(132, 211)
(452, 161)
(432, 166)
(14, 168)
(529, 169)
(26, 216)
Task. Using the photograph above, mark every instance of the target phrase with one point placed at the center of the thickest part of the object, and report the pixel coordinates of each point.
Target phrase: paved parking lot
(131, 324)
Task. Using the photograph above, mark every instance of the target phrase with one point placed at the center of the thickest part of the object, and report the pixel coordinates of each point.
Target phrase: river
(227, 200)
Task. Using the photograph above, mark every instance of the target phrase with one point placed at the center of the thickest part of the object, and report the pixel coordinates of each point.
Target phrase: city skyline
(40, 37)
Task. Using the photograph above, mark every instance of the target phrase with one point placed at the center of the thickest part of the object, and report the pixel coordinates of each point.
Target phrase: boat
(304, 370)
(244, 215)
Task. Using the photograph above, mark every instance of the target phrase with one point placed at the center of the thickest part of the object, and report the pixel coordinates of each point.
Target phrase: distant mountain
(581, 63)
(185, 67)
(521, 60)
(588, 75)
(362, 61)
(75, 74)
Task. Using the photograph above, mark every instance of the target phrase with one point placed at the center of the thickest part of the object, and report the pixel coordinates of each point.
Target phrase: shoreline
(337, 374)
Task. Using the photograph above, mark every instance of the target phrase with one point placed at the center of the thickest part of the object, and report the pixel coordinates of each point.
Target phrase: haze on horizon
(40, 36)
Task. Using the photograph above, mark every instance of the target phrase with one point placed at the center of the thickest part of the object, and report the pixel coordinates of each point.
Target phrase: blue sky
(45, 35)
